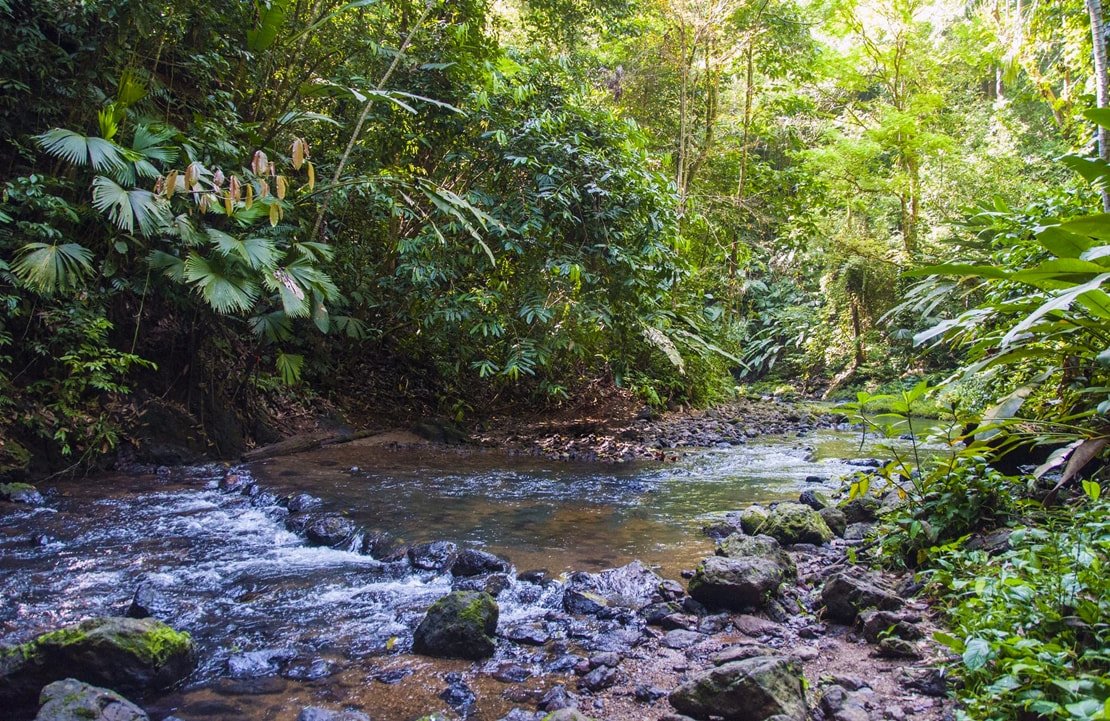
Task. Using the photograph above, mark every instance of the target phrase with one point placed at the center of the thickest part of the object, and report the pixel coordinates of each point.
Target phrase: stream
(281, 624)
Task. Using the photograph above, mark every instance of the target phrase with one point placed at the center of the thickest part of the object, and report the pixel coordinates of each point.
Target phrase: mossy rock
(20, 493)
(72, 700)
(736, 583)
(753, 518)
(739, 546)
(459, 625)
(126, 655)
(794, 523)
(752, 689)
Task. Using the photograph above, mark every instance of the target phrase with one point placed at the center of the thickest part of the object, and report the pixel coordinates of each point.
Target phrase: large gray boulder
(855, 590)
(740, 546)
(794, 523)
(127, 655)
(736, 583)
(459, 625)
(752, 689)
(633, 586)
(72, 700)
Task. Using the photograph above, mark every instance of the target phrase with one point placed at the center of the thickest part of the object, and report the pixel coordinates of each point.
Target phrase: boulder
(72, 700)
(741, 546)
(859, 531)
(459, 625)
(794, 523)
(435, 556)
(127, 655)
(840, 704)
(330, 529)
(566, 714)
(813, 498)
(150, 601)
(880, 624)
(472, 562)
(835, 519)
(855, 590)
(633, 586)
(752, 689)
(20, 493)
(863, 509)
(301, 502)
(735, 583)
(753, 518)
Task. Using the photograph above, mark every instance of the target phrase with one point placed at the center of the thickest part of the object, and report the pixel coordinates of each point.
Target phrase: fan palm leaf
(48, 268)
(224, 292)
(103, 155)
(129, 209)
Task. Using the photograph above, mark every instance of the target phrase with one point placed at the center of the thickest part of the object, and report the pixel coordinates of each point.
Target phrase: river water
(281, 624)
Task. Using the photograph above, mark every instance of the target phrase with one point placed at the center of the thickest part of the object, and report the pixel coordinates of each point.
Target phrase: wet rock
(511, 673)
(519, 714)
(457, 694)
(753, 519)
(840, 704)
(314, 671)
(534, 576)
(813, 498)
(459, 625)
(740, 546)
(21, 493)
(608, 658)
(315, 713)
(632, 586)
(849, 592)
(393, 675)
(265, 662)
(149, 602)
(835, 519)
(302, 502)
(233, 482)
(528, 634)
(563, 664)
(671, 590)
(686, 621)
(753, 689)
(735, 583)
(599, 679)
(330, 530)
(72, 700)
(567, 714)
(472, 562)
(794, 523)
(557, 698)
(583, 602)
(656, 612)
(863, 509)
(715, 623)
(859, 531)
(127, 655)
(435, 556)
(681, 638)
(645, 693)
(879, 624)
(739, 652)
(492, 584)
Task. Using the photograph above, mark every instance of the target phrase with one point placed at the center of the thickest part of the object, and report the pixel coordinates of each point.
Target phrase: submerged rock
(330, 530)
(72, 700)
(150, 601)
(735, 583)
(315, 713)
(124, 654)
(753, 689)
(633, 586)
(459, 625)
(472, 562)
(794, 523)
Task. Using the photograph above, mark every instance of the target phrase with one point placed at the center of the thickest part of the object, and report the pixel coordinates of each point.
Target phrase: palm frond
(150, 143)
(255, 252)
(103, 155)
(224, 293)
(48, 268)
(274, 326)
(129, 209)
(172, 266)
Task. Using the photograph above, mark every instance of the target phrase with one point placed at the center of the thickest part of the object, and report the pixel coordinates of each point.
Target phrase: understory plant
(1032, 624)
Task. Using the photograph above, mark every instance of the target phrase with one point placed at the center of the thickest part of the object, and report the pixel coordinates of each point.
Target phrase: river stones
(854, 590)
(124, 654)
(795, 523)
(20, 493)
(835, 519)
(736, 583)
(72, 700)
(738, 546)
(459, 625)
(633, 586)
(315, 713)
(753, 518)
(330, 530)
(752, 689)
(472, 562)
(435, 556)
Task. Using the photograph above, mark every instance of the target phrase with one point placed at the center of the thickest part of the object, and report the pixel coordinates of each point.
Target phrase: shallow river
(227, 570)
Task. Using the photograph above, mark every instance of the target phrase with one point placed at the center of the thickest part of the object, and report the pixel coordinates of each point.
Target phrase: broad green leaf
(950, 641)
(658, 339)
(1060, 302)
(1092, 489)
(1099, 116)
(274, 326)
(1093, 170)
(961, 269)
(257, 253)
(1062, 243)
(976, 654)
(1096, 226)
(48, 268)
(224, 293)
(1097, 302)
(270, 22)
(1058, 274)
(171, 265)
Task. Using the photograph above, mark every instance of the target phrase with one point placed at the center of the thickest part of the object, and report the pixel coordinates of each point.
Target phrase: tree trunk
(1102, 84)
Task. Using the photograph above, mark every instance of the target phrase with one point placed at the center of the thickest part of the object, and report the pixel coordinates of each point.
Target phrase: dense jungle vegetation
(213, 213)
